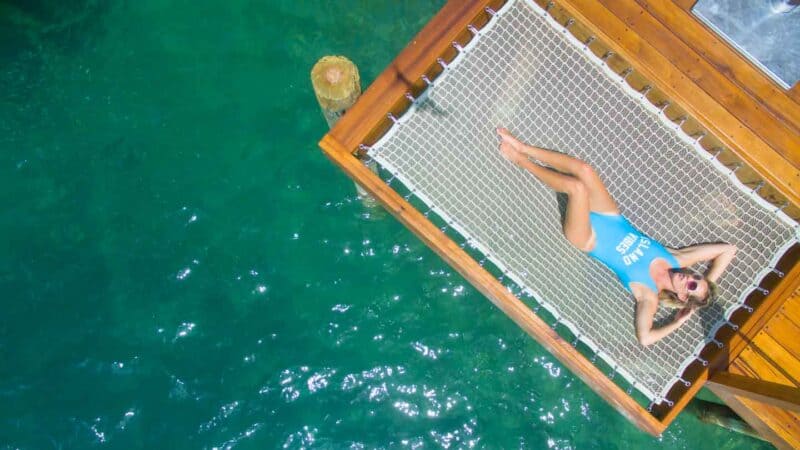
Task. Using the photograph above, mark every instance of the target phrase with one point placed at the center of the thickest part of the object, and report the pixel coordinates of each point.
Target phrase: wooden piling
(337, 85)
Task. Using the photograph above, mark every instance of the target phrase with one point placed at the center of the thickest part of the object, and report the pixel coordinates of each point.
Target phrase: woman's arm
(721, 256)
(645, 311)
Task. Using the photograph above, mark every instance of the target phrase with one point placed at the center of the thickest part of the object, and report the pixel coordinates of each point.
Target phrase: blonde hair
(670, 299)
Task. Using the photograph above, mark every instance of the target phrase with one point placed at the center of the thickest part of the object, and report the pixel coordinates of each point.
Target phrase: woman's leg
(577, 227)
(599, 198)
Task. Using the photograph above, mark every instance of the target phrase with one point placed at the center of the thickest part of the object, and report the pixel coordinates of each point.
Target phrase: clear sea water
(183, 268)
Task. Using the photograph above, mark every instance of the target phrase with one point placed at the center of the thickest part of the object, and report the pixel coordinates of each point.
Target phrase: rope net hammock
(526, 72)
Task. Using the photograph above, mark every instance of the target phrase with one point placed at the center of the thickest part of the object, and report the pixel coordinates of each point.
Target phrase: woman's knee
(575, 187)
(585, 172)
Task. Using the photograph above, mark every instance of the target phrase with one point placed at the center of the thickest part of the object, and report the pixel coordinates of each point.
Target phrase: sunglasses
(692, 285)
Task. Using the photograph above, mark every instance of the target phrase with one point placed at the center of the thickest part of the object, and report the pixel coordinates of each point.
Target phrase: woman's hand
(719, 254)
(683, 315)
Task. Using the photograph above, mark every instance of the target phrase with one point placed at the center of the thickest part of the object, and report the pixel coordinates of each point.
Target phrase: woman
(651, 272)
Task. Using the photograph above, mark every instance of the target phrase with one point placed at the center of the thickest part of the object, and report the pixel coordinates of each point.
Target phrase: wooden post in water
(337, 86)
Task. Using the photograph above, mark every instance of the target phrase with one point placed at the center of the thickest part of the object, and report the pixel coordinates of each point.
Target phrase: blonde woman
(593, 224)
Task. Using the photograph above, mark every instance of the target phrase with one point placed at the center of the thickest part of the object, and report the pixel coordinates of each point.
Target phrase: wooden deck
(745, 115)
(758, 122)
(773, 355)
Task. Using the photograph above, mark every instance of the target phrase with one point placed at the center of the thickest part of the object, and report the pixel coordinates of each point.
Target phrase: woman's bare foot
(510, 153)
(506, 136)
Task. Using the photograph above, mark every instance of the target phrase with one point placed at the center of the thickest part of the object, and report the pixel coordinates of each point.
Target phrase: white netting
(527, 73)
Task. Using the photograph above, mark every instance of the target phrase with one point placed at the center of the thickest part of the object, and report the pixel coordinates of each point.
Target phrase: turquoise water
(183, 268)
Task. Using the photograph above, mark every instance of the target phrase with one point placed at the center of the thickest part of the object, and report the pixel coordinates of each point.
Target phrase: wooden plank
(791, 309)
(685, 4)
(794, 92)
(750, 324)
(724, 59)
(758, 418)
(774, 394)
(748, 146)
(489, 286)
(749, 111)
(363, 124)
(776, 354)
(753, 363)
(786, 333)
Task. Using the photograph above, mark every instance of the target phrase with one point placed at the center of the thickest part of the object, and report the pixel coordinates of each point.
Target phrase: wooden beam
(646, 58)
(685, 4)
(752, 418)
(782, 396)
(489, 286)
(794, 92)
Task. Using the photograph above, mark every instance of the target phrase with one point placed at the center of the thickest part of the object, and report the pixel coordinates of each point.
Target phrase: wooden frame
(367, 121)
(784, 397)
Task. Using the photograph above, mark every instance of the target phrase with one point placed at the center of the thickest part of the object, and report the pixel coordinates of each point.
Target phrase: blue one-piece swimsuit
(625, 250)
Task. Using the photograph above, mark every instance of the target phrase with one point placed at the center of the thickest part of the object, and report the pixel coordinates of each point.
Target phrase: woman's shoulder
(642, 293)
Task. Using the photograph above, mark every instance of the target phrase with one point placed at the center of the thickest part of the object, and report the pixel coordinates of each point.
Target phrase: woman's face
(685, 283)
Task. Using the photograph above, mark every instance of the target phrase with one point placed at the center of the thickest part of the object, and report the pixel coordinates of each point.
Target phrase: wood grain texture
(686, 5)
(725, 60)
(645, 57)
(768, 357)
(761, 417)
(779, 395)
